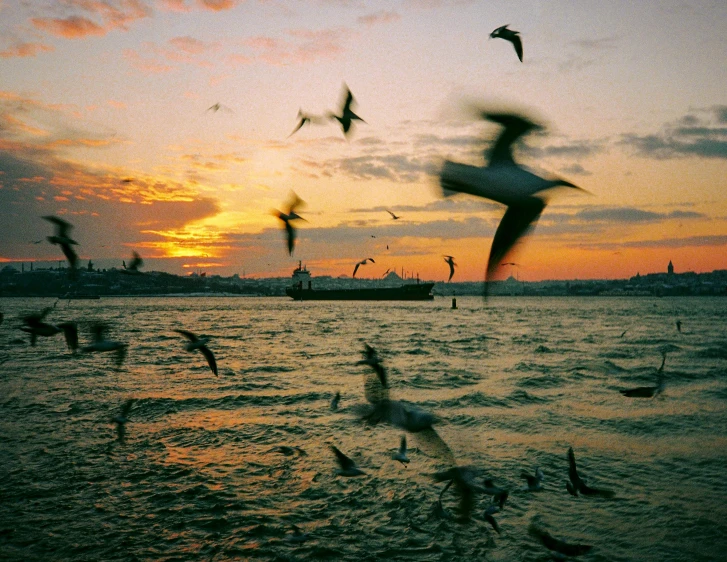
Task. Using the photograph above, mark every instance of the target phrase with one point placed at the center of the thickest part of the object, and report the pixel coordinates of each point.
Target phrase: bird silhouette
(504, 181)
(450, 261)
(509, 35)
(347, 465)
(200, 344)
(577, 484)
(288, 216)
(62, 239)
(393, 216)
(362, 262)
(134, 265)
(347, 116)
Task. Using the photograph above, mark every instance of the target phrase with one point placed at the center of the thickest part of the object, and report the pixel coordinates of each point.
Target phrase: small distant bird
(127, 180)
(557, 545)
(624, 333)
(62, 239)
(387, 270)
(362, 262)
(649, 391)
(217, 106)
(101, 344)
(452, 265)
(504, 181)
(578, 485)
(37, 241)
(122, 418)
(535, 481)
(298, 536)
(288, 216)
(393, 216)
(509, 35)
(347, 466)
(134, 265)
(200, 344)
(400, 455)
(336, 399)
(347, 115)
(679, 325)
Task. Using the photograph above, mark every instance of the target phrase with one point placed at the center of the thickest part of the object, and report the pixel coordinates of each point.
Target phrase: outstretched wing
(514, 127)
(189, 335)
(516, 221)
(210, 358)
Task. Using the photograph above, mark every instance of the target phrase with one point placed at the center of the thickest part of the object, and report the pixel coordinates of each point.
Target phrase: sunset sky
(104, 121)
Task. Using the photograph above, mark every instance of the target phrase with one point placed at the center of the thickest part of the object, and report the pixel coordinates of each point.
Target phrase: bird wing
(210, 358)
(347, 102)
(62, 227)
(434, 446)
(302, 122)
(189, 335)
(71, 256)
(136, 262)
(518, 44)
(514, 127)
(355, 269)
(402, 445)
(126, 408)
(97, 331)
(70, 332)
(343, 460)
(516, 221)
(290, 233)
(572, 470)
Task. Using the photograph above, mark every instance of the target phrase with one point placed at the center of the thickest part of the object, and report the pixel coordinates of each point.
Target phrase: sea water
(514, 382)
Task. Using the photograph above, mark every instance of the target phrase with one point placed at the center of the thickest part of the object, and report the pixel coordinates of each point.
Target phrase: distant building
(670, 268)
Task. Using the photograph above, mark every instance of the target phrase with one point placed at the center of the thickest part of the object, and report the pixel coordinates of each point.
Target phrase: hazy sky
(95, 92)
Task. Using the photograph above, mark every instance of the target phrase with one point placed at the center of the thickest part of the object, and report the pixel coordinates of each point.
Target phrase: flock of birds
(469, 482)
(501, 180)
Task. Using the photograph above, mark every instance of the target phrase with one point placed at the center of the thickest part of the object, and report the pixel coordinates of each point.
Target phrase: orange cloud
(144, 64)
(74, 27)
(25, 50)
(217, 5)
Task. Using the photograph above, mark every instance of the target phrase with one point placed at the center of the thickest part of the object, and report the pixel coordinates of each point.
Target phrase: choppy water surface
(516, 383)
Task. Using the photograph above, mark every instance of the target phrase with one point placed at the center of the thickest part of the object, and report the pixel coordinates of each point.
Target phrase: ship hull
(412, 292)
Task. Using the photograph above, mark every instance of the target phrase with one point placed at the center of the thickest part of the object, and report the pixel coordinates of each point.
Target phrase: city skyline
(110, 118)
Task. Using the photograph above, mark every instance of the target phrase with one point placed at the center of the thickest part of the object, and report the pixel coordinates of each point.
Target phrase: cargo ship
(302, 289)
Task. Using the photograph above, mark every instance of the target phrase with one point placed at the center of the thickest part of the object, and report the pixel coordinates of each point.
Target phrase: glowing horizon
(107, 118)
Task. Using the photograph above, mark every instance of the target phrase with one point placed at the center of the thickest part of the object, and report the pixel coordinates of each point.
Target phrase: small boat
(302, 289)
(78, 296)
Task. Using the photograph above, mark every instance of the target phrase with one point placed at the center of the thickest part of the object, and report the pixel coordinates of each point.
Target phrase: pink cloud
(74, 27)
(117, 104)
(381, 16)
(189, 45)
(25, 50)
(114, 14)
(304, 46)
(144, 64)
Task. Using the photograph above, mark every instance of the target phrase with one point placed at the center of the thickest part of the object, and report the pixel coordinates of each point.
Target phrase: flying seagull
(121, 419)
(335, 400)
(400, 455)
(288, 216)
(62, 239)
(217, 106)
(649, 391)
(509, 35)
(504, 181)
(393, 216)
(347, 115)
(200, 344)
(35, 326)
(101, 344)
(134, 265)
(535, 481)
(362, 262)
(347, 466)
(452, 265)
(578, 485)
